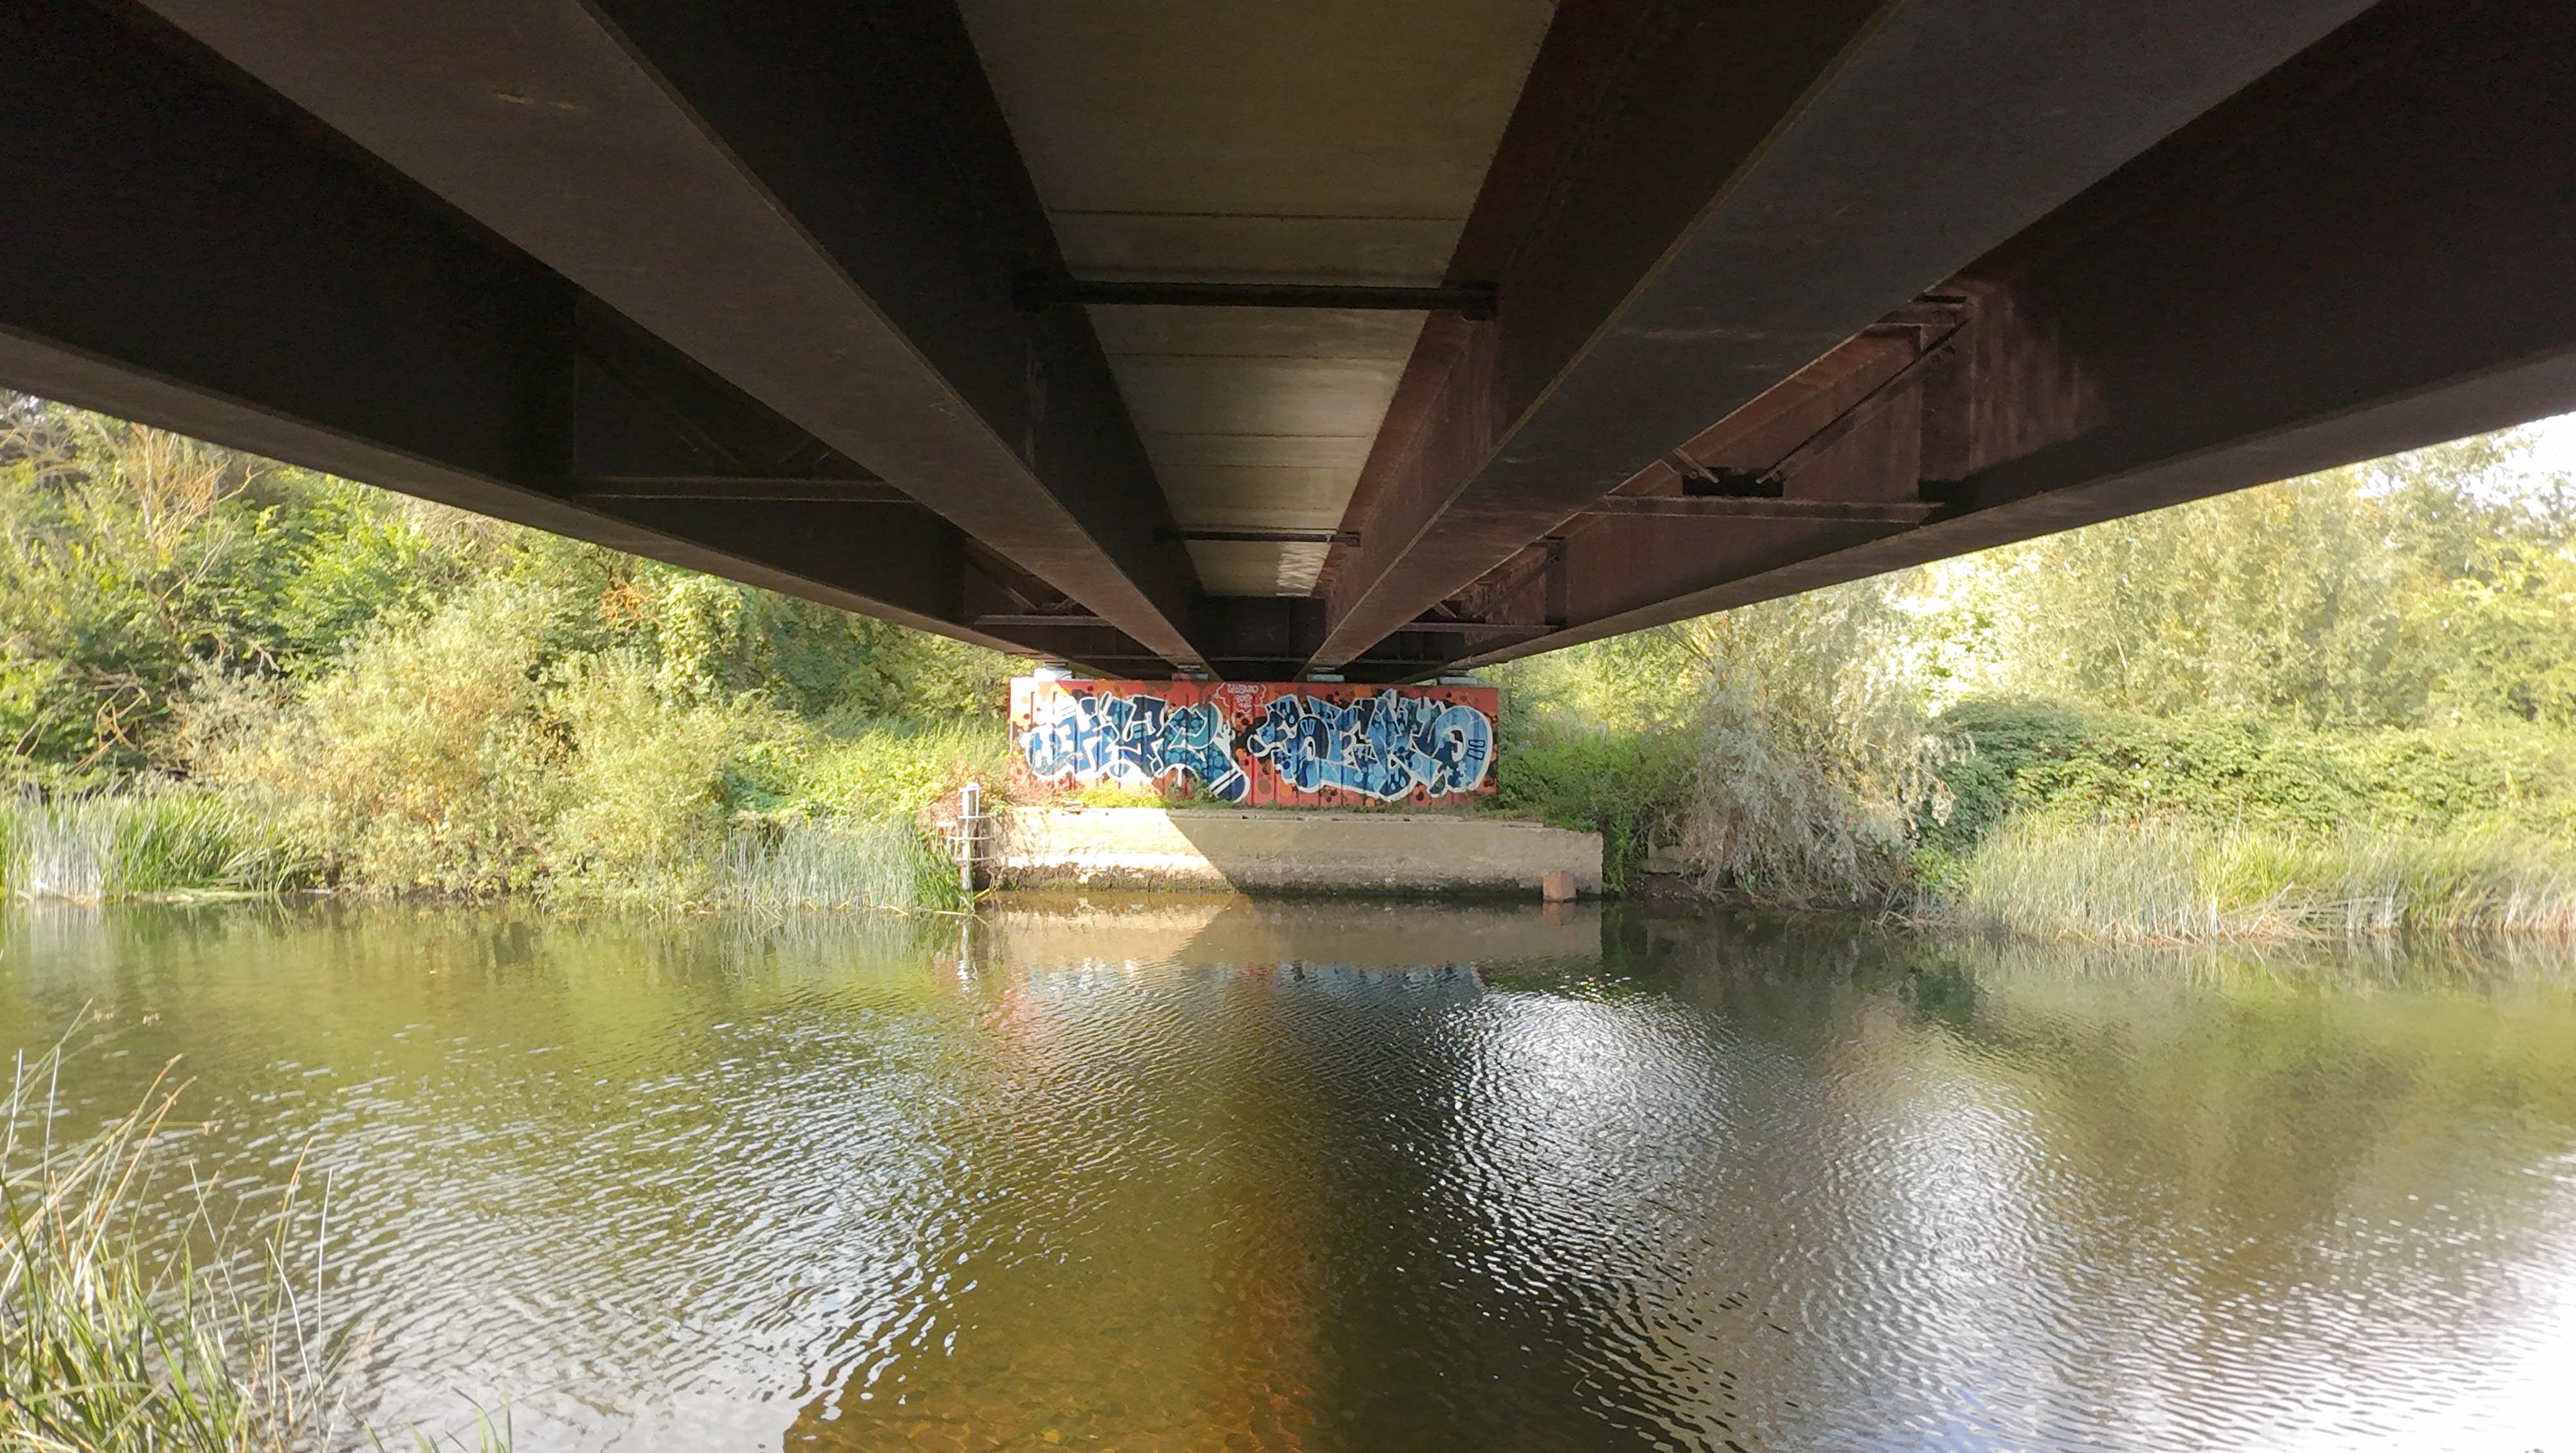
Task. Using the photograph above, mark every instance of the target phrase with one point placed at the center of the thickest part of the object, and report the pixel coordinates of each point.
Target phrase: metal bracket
(1705, 481)
(1040, 619)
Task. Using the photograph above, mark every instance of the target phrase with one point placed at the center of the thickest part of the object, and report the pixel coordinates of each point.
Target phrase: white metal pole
(970, 813)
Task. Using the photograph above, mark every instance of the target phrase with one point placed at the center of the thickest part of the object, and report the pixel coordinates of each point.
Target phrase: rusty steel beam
(2361, 254)
(820, 204)
(1706, 197)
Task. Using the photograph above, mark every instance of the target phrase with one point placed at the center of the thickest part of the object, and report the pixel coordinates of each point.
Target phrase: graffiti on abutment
(1300, 744)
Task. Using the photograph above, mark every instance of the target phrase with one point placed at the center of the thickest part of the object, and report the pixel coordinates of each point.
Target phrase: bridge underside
(1264, 339)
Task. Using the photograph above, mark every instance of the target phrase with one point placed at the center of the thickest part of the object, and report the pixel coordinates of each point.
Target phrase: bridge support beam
(190, 252)
(2202, 321)
(1698, 199)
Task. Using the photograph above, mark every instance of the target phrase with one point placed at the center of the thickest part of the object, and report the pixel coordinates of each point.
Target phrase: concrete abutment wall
(1283, 851)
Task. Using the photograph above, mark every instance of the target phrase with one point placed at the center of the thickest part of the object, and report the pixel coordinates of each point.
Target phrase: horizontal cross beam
(1745, 507)
(1475, 302)
(734, 488)
(1271, 537)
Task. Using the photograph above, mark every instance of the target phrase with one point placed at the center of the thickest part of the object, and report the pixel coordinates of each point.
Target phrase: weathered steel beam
(183, 249)
(2363, 253)
(821, 204)
(1699, 199)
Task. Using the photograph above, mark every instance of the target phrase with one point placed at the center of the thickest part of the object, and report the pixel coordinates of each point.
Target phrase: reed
(145, 843)
(2166, 882)
(123, 1333)
(872, 864)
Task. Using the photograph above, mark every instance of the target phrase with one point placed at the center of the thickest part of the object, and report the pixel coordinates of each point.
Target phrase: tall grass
(139, 844)
(122, 1334)
(879, 864)
(2166, 882)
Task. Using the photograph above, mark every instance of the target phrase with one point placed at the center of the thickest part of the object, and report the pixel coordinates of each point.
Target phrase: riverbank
(227, 677)
(836, 825)
(2049, 820)
(2031, 846)
(2066, 822)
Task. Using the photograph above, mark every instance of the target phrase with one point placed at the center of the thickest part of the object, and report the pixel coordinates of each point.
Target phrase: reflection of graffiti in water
(1379, 746)
(1134, 741)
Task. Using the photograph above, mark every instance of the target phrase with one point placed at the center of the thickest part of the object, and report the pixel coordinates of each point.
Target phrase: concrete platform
(1280, 851)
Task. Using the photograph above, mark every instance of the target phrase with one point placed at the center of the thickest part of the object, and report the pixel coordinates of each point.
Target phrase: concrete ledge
(1202, 848)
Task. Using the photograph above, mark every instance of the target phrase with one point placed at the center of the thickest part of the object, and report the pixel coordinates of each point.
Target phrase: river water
(1222, 1175)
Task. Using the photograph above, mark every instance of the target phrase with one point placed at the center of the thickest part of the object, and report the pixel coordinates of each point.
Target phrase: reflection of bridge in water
(1270, 340)
(1298, 1175)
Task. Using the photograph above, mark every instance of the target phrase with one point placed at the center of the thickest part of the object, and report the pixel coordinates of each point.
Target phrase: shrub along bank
(218, 674)
(2104, 824)
(2337, 704)
(2053, 818)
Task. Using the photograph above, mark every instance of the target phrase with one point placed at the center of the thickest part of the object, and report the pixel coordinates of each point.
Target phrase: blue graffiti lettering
(1381, 746)
(1135, 741)
(1384, 746)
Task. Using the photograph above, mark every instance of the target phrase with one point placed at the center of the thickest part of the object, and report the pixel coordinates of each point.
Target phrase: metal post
(970, 817)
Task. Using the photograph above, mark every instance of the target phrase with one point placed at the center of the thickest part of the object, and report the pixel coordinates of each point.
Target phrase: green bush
(1777, 751)
(446, 754)
(426, 760)
(1630, 789)
(649, 783)
(2073, 764)
(894, 769)
(423, 700)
